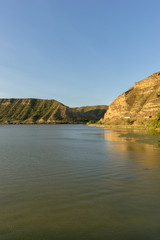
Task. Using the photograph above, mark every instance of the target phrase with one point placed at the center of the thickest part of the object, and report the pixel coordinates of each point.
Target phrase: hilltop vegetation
(45, 111)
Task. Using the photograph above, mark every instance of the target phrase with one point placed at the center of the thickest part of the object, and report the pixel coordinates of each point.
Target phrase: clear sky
(79, 52)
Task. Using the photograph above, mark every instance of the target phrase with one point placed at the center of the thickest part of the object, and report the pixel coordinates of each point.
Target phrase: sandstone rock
(139, 104)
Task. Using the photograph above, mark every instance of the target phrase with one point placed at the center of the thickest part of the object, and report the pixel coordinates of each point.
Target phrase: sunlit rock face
(137, 105)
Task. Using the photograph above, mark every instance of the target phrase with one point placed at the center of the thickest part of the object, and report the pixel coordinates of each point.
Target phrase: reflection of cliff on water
(136, 145)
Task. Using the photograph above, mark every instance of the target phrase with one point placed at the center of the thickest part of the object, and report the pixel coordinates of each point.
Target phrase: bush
(158, 116)
(153, 124)
(128, 121)
(92, 122)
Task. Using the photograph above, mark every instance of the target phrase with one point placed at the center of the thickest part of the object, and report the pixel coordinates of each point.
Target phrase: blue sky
(79, 52)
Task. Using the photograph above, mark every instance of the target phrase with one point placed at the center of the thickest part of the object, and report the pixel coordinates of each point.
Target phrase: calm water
(77, 182)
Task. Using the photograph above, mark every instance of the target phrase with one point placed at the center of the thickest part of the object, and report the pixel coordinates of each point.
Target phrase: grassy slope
(45, 111)
(93, 112)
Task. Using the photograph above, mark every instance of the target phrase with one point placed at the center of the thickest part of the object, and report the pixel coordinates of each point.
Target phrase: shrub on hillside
(153, 124)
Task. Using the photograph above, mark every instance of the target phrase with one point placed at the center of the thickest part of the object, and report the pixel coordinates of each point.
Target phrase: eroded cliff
(137, 105)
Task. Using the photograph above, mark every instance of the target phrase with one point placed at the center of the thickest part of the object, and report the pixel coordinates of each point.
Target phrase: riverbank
(117, 126)
(140, 127)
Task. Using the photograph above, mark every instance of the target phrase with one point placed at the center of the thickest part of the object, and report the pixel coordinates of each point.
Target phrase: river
(75, 182)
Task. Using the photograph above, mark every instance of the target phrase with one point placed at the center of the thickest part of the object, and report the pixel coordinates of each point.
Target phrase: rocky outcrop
(137, 105)
(46, 111)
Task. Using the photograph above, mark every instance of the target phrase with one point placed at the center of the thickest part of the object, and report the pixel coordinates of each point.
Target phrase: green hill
(31, 110)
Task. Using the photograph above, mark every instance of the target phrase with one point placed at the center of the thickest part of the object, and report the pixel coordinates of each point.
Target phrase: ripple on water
(77, 182)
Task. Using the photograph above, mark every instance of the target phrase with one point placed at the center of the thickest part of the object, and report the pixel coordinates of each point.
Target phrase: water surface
(77, 182)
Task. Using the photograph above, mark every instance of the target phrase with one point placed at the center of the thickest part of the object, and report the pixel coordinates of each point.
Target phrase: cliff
(45, 111)
(137, 105)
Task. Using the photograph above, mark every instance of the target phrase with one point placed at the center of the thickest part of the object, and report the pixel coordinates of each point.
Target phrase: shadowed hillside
(45, 111)
(93, 112)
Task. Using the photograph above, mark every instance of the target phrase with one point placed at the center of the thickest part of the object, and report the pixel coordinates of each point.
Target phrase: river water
(75, 182)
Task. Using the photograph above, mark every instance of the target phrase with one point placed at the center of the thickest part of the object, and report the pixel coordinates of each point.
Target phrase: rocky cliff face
(137, 105)
(45, 111)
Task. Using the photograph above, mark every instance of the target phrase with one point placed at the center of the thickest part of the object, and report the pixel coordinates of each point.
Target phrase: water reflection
(137, 145)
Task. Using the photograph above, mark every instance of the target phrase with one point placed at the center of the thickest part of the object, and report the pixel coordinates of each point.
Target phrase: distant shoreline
(38, 123)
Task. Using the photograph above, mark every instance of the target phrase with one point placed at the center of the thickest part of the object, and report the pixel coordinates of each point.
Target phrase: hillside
(45, 111)
(93, 112)
(137, 105)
